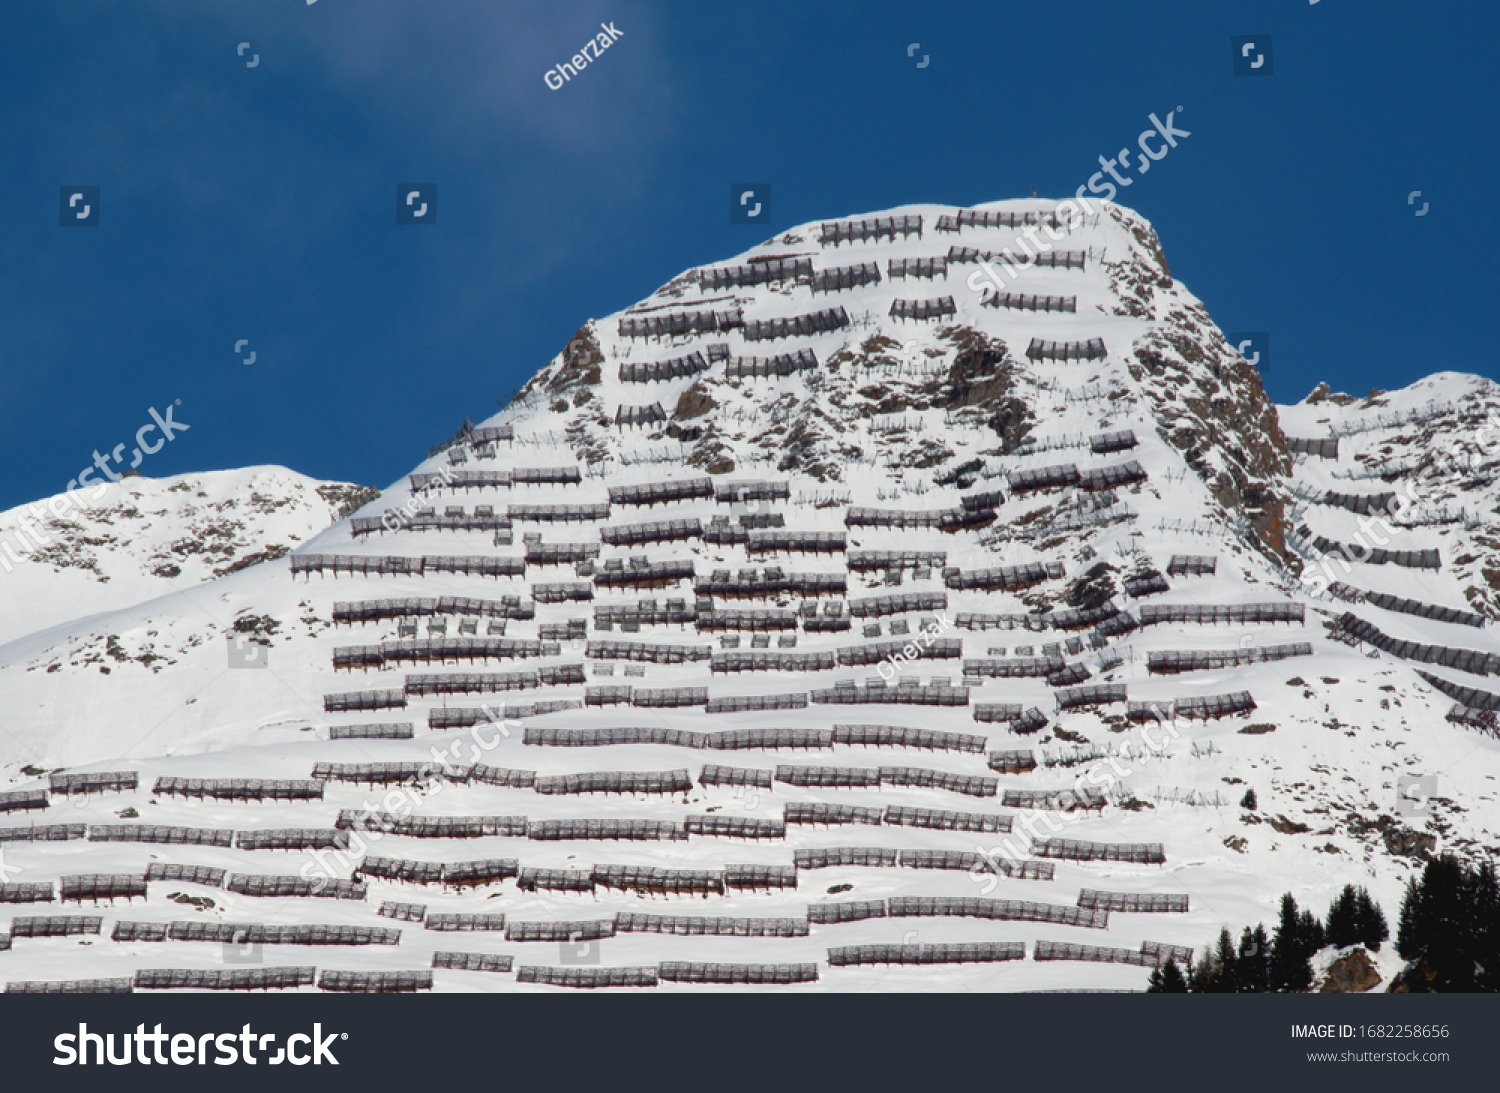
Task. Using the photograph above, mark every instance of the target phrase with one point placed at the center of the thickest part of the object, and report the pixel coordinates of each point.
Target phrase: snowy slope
(897, 415)
(121, 543)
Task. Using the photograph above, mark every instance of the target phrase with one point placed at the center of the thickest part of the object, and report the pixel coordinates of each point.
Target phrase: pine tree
(1248, 800)
(1254, 961)
(1369, 921)
(1341, 926)
(1227, 962)
(1298, 935)
(1167, 979)
(1408, 939)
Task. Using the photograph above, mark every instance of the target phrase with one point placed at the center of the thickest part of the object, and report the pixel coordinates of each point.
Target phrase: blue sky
(250, 194)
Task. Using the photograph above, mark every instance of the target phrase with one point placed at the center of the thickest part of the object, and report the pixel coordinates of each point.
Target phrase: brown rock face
(1353, 973)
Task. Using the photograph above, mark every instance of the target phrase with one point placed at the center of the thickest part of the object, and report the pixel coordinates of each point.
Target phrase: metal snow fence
(1149, 584)
(1358, 552)
(844, 278)
(1098, 694)
(783, 364)
(432, 827)
(997, 712)
(656, 881)
(997, 910)
(968, 952)
(734, 827)
(883, 561)
(55, 925)
(633, 830)
(1026, 301)
(815, 322)
(471, 874)
(1012, 762)
(139, 931)
(778, 974)
(360, 701)
(767, 272)
(558, 514)
(1360, 503)
(881, 651)
(612, 781)
(957, 860)
(756, 877)
(1118, 441)
(474, 565)
(939, 308)
(646, 613)
(799, 542)
(563, 592)
(819, 813)
(1209, 707)
(1192, 565)
(660, 531)
(972, 785)
(587, 978)
(650, 575)
(1042, 350)
(653, 371)
(1324, 448)
(1056, 259)
(1465, 660)
(95, 782)
(875, 228)
(1113, 477)
(588, 930)
(772, 662)
(980, 218)
(680, 323)
(1222, 614)
(240, 933)
(1066, 800)
(1172, 661)
(385, 774)
(942, 820)
(714, 775)
(661, 493)
(1080, 850)
(1134, 902)
(240, 789)
(893, 736)
(374, 731)
(1013, 668)
(399, 869)
(759, 621)
(830, 857)
(899, 696)
(829, 914)
(607, 696)
(375, 982)
(700, 926)
(668, 698)
(270, 886)
(877, 606)
(237, 979)
(1162, 952)
(363, 565)
(294, 838)
(457, 683)
(460, 480)
(829, 777)
(463, 923)
(753, 703)
(443, 650)
(206, 875)
(29, 892)
(1067, 677)
(472, 962)
(738, 739)
(71, 986)
(917, 268)
(593, 738)
(560, 553)
(1044, 478)
(1424, 610)
(23, 800)
(1058, 950)
(504, 777)
(155, 833)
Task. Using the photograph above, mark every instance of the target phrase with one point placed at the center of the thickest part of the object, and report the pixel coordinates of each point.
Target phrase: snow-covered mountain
(828, 577)
(121, 543)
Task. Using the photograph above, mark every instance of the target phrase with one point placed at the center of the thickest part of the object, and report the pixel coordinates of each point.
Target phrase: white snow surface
(144, 683)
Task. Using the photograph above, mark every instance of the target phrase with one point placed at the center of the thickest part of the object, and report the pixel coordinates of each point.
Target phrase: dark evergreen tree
(1253, 964)
(1342, 926)
(1407, 942)
(1167, 979)
(1369, 921)
(1226, 960)
(1298, 936)
(1248, 800)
